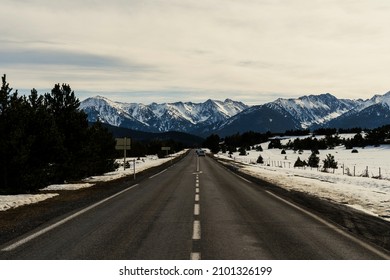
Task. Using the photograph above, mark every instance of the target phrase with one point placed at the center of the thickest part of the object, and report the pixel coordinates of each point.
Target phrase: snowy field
(13, 201)
(368, 194)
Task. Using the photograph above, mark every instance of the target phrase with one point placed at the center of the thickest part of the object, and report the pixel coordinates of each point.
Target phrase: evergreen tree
(212, 142)
(72, 125)
(330, 162)
(260, 159)
(313, 160)
(242, 151)
(46, 139)
(259, 148)
(100, 152)
(299, 163)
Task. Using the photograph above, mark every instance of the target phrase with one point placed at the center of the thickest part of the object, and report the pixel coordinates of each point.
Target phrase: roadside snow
(370, 195)
(141, 164)
(69, 187)
(13, 201)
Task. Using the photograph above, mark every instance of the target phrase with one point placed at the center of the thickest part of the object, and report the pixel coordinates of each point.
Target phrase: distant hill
(188, 140)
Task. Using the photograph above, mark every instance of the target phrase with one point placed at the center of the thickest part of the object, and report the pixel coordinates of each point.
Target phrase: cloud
(58, 57)
(253, 49)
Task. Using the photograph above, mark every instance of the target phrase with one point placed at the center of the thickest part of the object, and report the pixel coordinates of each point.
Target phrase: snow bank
(141, 164)
(69, 187)
(13, 201)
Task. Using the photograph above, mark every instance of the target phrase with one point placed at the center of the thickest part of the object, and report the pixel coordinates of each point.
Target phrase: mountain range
(229, 117)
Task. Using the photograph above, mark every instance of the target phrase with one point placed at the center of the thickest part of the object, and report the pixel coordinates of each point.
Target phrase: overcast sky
(180, 50)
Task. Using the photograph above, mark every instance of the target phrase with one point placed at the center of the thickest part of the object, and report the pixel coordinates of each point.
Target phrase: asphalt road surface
(196, 209)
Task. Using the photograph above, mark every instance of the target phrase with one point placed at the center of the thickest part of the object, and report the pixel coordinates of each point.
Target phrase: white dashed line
(196, 209)
(195, 256)
(196, 226)
(196, 230)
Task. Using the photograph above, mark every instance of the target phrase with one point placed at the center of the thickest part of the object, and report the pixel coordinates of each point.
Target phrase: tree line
(46, 139)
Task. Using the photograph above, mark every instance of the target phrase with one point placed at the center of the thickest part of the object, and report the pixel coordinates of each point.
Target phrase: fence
(355, 170)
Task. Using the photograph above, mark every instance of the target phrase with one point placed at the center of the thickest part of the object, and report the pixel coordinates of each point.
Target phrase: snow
(13, 201)
(367, 194)
(167, 114)
(140, 165)
(67, 187)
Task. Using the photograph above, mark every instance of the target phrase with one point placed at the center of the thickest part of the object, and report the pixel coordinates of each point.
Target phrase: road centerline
(196, 230)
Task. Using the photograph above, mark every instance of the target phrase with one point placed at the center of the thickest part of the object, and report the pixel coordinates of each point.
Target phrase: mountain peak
(229, 116)
(179, 116)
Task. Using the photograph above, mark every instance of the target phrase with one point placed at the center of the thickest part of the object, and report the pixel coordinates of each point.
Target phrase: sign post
(166, 149)
(123, 144)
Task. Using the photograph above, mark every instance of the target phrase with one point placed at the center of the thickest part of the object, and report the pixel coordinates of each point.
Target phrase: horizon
(115, 97)
(227, 98)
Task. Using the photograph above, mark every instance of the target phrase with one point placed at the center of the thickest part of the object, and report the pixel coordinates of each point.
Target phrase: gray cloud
(252, 49)
(67, 58)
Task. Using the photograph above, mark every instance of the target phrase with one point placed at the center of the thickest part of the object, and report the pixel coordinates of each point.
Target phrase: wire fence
(355, 170)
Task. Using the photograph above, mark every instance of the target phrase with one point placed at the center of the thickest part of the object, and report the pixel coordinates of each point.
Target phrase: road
(196, 209)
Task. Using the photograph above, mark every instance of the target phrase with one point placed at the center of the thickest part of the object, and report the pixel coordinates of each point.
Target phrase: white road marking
(196, 230)
(242, 178)
(158, 174)
(195, 256)
(356, 240)
(53, 226)
(196, 209)
(196, 226)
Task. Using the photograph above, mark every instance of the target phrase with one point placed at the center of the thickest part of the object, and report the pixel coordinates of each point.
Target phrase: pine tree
(212, 142)
(299, 163)
(72, 126)
(100, 152)
(330, 162)
(313, 160)
(242, 151)
(4, 96)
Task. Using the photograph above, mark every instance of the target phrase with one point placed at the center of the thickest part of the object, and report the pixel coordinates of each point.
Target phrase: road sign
(123, 144)
(165, 148)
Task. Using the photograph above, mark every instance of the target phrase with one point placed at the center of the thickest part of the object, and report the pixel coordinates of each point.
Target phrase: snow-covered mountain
(179, 116)
(315, 109)
(312, 111)
(371, 113)
(229, 117)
